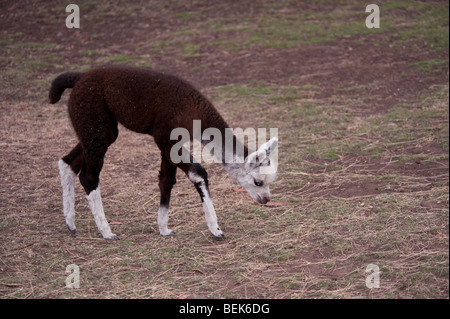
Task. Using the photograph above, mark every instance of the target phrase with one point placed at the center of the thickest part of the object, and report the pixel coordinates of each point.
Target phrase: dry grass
(315, 244)
(356, 187)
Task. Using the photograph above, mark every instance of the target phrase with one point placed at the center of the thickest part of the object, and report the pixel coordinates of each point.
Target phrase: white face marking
(68, 178)
(95, 203)
(260, 194)
(259, 171)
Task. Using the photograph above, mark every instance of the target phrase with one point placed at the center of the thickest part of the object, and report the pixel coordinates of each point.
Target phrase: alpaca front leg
(163, 219)
(210, 214)
(199, 177)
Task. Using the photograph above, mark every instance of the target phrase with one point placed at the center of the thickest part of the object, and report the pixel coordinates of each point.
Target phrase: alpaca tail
(62, 82)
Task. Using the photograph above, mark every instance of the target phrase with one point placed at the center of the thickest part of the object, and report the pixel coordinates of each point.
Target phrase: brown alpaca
(149, 102)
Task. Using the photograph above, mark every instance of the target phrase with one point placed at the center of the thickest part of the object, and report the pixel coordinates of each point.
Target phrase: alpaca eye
(257, 183)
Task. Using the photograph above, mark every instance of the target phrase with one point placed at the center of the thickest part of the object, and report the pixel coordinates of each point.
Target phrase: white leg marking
(68, 183)
(95, 203)
(208, 207)
(194, 178)
(210, 214)
(163, 219)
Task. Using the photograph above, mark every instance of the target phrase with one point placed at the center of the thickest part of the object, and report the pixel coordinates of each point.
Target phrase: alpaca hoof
(220, 236)
(169, 232)
(218, 233)
(112, 237)
(72, 230)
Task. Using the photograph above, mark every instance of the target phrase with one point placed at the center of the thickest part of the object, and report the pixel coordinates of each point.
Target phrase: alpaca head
(259, 170)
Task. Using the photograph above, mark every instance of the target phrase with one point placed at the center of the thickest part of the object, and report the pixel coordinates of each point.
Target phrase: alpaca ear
(255, 157)
(262, 152)
(269, 146)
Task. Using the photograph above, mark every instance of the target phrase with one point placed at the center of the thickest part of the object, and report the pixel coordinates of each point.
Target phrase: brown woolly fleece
(142, 100)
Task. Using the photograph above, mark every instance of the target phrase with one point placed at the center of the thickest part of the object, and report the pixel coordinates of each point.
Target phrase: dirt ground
(362, 117)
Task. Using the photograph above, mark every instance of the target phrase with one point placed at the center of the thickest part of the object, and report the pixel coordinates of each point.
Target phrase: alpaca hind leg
(97, 129)
(68, 183)
(95, 203)
(68, 169)
(167, 178)
(89, 178)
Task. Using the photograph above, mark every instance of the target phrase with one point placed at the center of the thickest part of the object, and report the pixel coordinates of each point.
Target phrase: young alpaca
(149, 102)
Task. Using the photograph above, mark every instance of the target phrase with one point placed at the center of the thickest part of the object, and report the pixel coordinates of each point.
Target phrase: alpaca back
(147, 101)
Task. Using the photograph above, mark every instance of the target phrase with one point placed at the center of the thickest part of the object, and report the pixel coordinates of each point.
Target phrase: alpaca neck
(225, 147)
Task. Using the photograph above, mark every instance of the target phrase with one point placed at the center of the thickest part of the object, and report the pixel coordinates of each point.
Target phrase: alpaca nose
(265, 199)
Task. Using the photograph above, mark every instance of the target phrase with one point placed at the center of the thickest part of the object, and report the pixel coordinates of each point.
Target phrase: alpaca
(154, 103)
